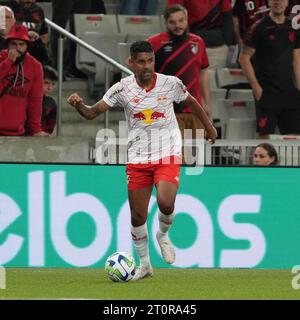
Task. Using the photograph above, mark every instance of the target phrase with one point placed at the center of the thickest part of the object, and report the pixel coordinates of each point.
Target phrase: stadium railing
(109, 61)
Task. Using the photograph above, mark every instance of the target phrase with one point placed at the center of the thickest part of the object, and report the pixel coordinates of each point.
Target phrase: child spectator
(49, 107)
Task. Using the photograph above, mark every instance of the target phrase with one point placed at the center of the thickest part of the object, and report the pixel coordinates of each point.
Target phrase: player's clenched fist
(75, 100)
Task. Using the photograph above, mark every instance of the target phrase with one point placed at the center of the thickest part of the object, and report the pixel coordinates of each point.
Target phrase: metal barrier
(80, 42)
(226, 152)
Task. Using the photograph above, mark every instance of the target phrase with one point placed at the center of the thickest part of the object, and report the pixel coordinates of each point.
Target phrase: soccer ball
(120, 267)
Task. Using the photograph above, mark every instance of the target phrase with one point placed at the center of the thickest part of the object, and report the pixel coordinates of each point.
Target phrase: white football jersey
(153, 131)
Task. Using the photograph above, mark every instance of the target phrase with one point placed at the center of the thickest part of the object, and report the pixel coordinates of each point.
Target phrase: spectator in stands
(62, 11)
(138, 7)
(212, 20)
(265, 155)
(21, 86)
(30, 15)
(7, 20)
(49, 106)
(245, 14)
(180, 53)
(275, 48)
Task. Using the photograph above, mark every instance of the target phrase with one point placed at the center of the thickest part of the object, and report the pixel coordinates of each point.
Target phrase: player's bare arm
(211, 132)
(88, 112)
(246, 64)
(296, 65)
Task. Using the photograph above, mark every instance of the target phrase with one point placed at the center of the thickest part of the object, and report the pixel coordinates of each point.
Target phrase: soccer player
(274, 71)
(154, 144)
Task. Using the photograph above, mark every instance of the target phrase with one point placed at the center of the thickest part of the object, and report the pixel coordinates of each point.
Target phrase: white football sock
(140, 238)
(165, 222)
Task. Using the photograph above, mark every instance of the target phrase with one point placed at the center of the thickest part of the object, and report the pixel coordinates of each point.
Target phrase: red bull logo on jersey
(149, 116)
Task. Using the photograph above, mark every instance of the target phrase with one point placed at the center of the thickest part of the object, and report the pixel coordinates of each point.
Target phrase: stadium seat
(212, 78)
(101, 23)
(217, 56)
(215, 95)
(47, 8)
(240, 94)
(132, 37)
(231, 78)
(139, 24)
(234, 109)
(123, 52)
(289, 154)
(239, 129)
(89, 63)
(162, 22)
(284, 137)
(232, 57)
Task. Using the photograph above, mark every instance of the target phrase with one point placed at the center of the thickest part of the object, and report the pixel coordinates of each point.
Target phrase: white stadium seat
(240, 94)
(212, 78)
(47, 8)
(139, 24)
(132, 37)
(101, 23)
(123, 52)
(89, 63)
(240, 129)
(228, 77)
(234, 109)
(215, 95)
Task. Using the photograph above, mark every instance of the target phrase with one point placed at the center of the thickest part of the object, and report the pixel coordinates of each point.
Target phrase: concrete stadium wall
(40, 149)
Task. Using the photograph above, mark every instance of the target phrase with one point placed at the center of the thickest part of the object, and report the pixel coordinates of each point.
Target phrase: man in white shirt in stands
(154, 144)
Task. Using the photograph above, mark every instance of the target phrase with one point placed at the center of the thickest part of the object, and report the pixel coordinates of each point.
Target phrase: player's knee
(138, 218)
(165, 206)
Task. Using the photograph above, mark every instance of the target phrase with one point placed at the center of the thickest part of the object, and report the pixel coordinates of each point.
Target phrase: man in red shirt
(183, 54)
(21, 86)
(212, 20)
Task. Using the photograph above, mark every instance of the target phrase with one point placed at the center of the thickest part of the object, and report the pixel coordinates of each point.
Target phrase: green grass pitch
(177, 284)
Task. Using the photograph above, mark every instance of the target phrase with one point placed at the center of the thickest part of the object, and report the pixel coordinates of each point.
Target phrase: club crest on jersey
(194, 47)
